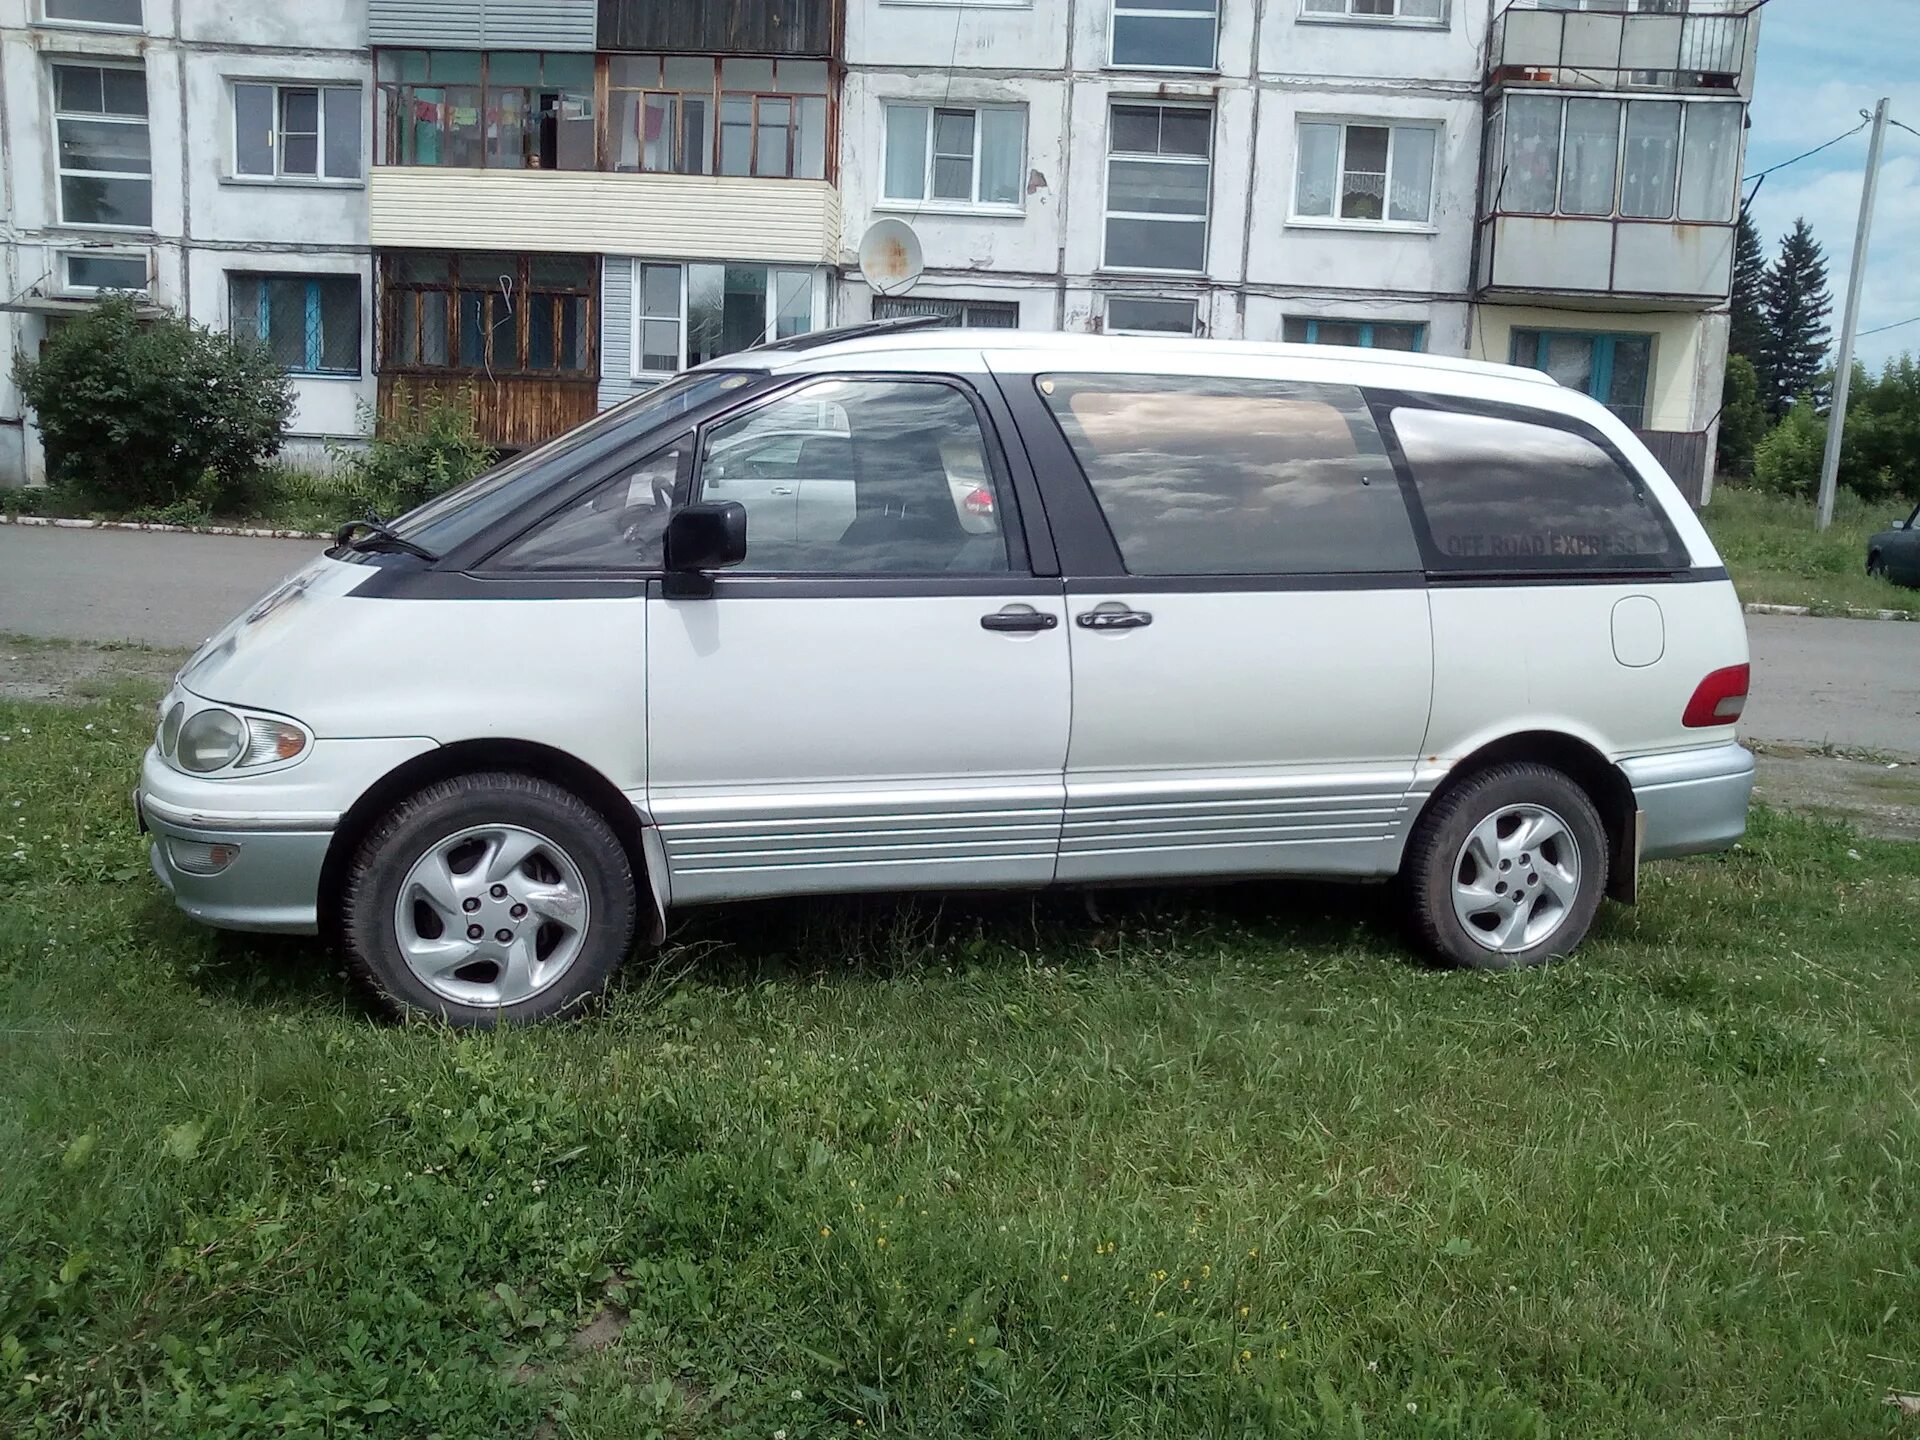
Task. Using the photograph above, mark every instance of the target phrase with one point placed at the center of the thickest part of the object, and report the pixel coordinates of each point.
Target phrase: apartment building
(207, 156)
(567, 200)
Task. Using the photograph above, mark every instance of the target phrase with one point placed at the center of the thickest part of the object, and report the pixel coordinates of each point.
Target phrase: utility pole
(1843, 359)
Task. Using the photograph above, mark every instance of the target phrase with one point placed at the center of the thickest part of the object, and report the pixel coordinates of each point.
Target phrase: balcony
(723, 27)
(1663, 45)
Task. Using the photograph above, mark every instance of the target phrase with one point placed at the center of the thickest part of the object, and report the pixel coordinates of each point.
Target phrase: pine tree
(1746, 333)
(1795, 302)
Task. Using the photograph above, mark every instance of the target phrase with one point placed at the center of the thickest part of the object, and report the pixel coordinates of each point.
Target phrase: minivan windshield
(449, 520)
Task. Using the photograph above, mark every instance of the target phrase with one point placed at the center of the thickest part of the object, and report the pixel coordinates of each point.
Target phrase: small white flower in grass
(1413, 1407)
(779, 1435)
(798, 1396)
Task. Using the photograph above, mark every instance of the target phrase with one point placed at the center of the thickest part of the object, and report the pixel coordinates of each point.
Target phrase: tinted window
(1204, 476)
(862, 477)
(1503, 494)
(617, 525)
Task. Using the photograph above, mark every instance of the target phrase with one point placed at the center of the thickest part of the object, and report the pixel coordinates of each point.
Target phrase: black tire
(1877, 566)
(415, 826)
(1435, 857)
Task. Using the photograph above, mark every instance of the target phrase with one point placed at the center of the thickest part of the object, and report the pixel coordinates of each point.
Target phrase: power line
(1894, 326)
(1762, 174)
(1908, 128)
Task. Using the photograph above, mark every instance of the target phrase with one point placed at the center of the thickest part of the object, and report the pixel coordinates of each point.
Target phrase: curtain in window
(1410, 197)
(1707, 162)
(906, 152)
(1533, 154)
(1592, 154)
(1003, 140)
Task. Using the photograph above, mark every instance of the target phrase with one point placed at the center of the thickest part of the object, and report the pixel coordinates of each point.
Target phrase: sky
(1821, 63)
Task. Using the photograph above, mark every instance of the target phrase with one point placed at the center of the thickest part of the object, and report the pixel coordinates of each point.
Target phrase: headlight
(212, 740)
(269, 741)
(170, 727)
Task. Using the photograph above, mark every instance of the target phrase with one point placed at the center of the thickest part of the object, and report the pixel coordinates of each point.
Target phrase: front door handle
(1116, 619)
(781, 490)
(1021, 619)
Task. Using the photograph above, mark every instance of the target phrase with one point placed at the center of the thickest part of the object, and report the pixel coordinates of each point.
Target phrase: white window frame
(280, 176)
(106, 27)
(1348, 16)
(1107, 212)
(61, 172)
(142, 257)
(817, 291)
(1392, 125)
(1193, 301)
(1148, 9)
(931, 205)
(1690, 106)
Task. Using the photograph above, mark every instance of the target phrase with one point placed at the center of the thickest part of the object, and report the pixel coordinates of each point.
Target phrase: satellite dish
(890, 259)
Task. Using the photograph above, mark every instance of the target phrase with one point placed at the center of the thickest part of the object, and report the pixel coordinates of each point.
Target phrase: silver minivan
(892, 608)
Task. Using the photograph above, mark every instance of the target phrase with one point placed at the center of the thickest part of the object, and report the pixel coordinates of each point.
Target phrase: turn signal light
(1718, 699)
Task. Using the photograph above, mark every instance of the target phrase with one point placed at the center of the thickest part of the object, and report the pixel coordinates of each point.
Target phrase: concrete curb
(1824, 613)
(254, 531)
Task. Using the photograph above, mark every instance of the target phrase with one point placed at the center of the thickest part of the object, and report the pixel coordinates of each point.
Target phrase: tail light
(1718, 699)
(979, 502)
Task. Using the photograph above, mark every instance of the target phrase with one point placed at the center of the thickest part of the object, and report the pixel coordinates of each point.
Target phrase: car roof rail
(813, 339)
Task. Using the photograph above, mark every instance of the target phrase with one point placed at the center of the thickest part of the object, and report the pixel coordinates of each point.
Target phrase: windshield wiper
(371, 534)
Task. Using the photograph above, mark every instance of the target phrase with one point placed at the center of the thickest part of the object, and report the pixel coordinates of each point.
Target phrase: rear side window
(1200, 475)
(1504, 494)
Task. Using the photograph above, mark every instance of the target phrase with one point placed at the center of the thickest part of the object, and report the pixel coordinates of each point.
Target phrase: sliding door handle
(1118, 618)
(1020, 619)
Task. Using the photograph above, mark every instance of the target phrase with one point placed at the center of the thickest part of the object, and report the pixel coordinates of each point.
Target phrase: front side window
(685, 315)
(698, 115)
(1504, 495)
(969, 314)
(1365, 334)
(117, 14)
(1139, 315)
(1424, 11)
(105, 159)
(90, 273)
(310, 324)
(1613, 369)
(1165, 34)
(501, 110)
(488, 313)
(618, 525)
(860, 477)
(1360, 171)
(955, 155)
(1159, 170)
(1217, 476)
(296, 132)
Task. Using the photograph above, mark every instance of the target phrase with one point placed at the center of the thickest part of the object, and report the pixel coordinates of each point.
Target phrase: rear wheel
(489, 898)
(1507, 869)
(1877, 565)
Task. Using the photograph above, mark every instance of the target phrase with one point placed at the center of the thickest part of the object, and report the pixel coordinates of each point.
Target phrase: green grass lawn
(1210, 1164)
(1776, 557)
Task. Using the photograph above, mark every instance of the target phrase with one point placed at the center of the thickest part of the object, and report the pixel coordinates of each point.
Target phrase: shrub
(413, 456)
(153, 412)
(1743, 417)
(1787, 460)
(1879, 449)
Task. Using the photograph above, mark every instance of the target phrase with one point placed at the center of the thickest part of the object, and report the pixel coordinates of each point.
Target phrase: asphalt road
(1848, 683)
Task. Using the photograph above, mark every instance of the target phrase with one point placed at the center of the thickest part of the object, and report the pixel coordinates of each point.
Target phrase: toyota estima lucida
(896, 608)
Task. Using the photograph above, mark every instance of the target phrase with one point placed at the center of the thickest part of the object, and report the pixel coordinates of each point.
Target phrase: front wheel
(489, 898)
(1877, 566)
(1506, 869)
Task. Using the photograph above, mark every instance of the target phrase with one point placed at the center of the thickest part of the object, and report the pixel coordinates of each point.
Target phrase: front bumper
(1691, 801)
(273, 830)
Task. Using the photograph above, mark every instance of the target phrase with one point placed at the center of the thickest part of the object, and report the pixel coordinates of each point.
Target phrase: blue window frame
(1613, 369)
(1367, 334)
(310, 324)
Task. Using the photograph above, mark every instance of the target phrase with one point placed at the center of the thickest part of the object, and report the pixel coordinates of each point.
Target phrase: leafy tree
(1795, 302)
(1879, 448)
(1787, 459)
(1743, 418)
(153, 412)
(1746, 334)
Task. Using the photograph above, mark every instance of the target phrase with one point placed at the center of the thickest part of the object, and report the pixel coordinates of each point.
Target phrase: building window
(686, 314)
(1641, 159)
(1158, 174)
(1165, 34)
(1613, 369)
(1368, 173)
(87, 272)
(310, 324)
(493, 314)
(499, 110)
(296, 132)
(1365, 334)
(1426, 12)
(1139, 315)
(697, 115)
(106, 173)
(955, 155)
(964, 314)
(114, 14)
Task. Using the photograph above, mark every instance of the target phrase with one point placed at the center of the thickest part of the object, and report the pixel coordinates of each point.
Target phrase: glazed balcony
(1687, 46)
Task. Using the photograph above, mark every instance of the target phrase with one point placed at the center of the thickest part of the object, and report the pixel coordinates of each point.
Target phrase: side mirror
(700, 538)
